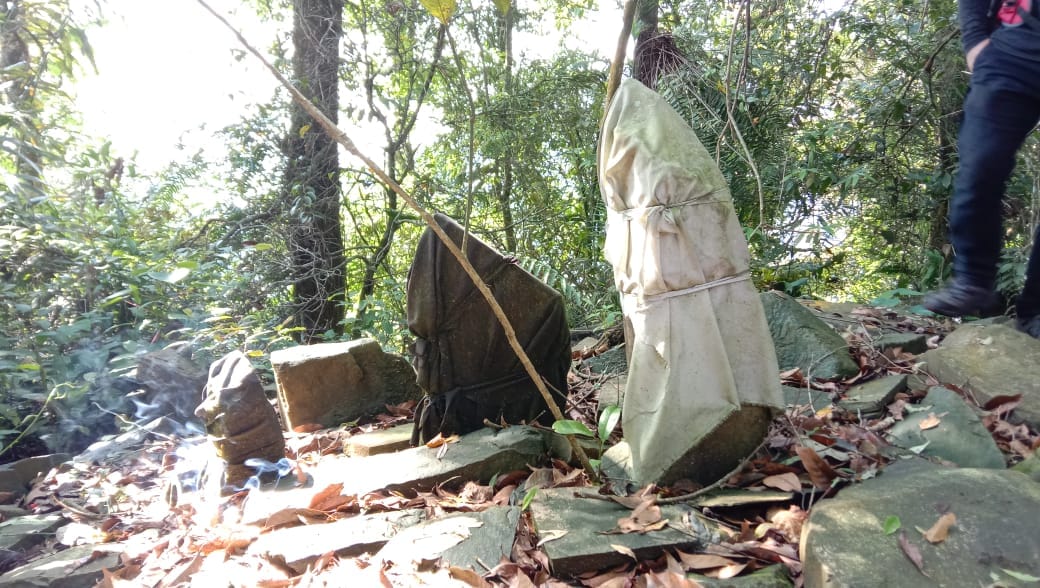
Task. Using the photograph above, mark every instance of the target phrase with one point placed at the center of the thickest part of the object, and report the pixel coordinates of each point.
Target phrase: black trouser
(1002, 107)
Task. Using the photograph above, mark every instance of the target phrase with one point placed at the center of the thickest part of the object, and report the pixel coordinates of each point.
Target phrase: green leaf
(528, 498)
(171, 277)
(502, 6)
(608, 419)
(568, 427)
(442, 10)
(892, 524)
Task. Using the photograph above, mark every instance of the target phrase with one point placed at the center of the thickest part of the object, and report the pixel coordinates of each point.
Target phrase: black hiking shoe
(1029, 325)
(961, 299)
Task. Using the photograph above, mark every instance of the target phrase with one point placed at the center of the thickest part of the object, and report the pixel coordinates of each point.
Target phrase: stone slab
(998, 513)
(908, 342)
(959, 438)
(376, 442)
(474, 540)
(334, 383)
(21, 533)
(807, 399)
(476, 456)
(872, 397)
(804, 341)
(299, 546)
(990, 360)
(63, 569)
(584, 547)
(18, 476)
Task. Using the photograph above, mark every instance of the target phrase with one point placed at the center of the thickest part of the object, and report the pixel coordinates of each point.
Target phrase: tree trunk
(311, 184)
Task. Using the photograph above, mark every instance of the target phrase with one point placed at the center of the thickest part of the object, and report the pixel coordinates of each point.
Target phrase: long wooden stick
(616, 66)
(341, 137)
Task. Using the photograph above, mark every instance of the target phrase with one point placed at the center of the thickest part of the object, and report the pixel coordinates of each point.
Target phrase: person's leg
(996, 123)
(1028, 305)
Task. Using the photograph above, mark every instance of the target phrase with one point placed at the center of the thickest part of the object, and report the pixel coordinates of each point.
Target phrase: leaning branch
(341, 137)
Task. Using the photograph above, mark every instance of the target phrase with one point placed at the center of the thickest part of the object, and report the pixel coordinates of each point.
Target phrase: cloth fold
(701, 348)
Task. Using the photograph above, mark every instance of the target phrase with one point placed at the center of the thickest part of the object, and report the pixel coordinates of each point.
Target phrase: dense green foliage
(835, 127)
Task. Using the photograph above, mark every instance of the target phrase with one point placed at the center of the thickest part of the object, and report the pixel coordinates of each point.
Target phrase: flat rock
(381, 441)
(959, 438)
(466, 539)
(21, 533)
(872, 397)
(298, 547)
(583, 545)
(476, 456)
(609, 363)
(18, 476)
(804, 341)
(806, 400)
(172, 381)
(334, 383)
(116, 448)
(64, 569)
(907, 342)
(611, 392)
(843, 543)
(990, 360)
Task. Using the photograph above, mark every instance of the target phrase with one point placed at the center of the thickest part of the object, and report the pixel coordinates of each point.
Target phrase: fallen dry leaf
(788, 482)
(820, 472)
(703, 561)
(929, 422)
(941, 528)
(549, 535)
(912, 552)
(468, 577)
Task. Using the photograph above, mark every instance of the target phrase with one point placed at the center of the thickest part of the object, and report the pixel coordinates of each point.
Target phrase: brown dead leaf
(307, 428)
(703, 561)
(468, 577)
(330, 491)
(405, 409)
(930, 422)
(941, 528)
(820, 472)
(787, 482)
(730, 571)
(912, 552)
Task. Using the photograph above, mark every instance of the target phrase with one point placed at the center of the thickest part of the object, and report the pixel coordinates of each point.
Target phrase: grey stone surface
(116, 448)
(335, 383)
(872, 397)
(960, 437)
(803, 340)
(476, 456)
(298, 547)
(64, 569)
(806, 398)
(18, 476)
(908, 342)
(376, 442)
(843, 543)
(21, 533)
(611, 392)
(173, 384)
(240, 421)
(467, 539)
(988, 361)
(586, 523)
(610, 362)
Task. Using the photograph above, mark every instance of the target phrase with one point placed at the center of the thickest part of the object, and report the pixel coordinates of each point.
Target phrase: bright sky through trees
(166, 68)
